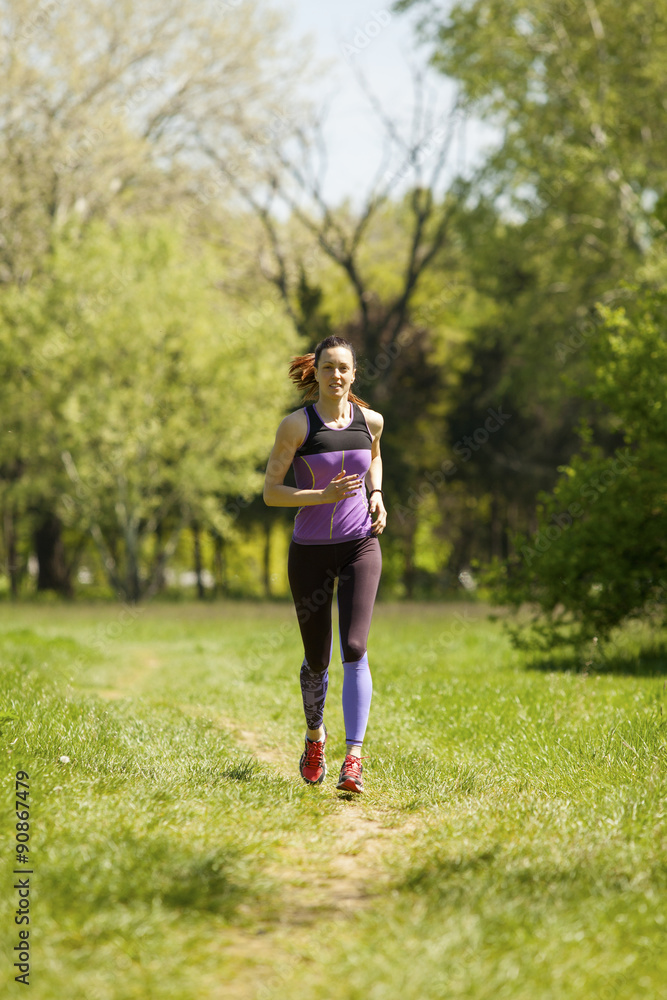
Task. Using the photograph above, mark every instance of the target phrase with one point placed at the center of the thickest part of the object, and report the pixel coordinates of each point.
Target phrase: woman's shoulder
(294, 425)
(374, 420)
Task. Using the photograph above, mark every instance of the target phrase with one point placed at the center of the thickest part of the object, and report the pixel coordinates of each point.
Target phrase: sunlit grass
(526, 808)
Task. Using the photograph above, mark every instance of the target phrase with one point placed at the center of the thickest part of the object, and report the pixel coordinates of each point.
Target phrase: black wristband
(374, 491)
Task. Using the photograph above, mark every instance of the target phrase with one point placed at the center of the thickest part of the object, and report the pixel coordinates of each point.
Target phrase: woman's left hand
(378, 514)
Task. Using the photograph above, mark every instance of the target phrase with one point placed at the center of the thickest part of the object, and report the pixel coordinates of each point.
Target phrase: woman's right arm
(289, 436)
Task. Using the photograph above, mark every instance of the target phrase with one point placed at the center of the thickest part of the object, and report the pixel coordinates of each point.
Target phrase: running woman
(334, 447)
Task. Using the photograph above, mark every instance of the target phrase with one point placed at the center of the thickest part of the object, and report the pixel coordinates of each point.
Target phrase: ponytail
(302, 373)
(302, 370)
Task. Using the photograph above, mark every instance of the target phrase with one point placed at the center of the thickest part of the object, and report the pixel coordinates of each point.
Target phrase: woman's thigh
(311, 570)
(358, 581)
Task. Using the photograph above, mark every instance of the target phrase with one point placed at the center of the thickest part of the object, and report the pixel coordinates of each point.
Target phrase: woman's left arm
(374, 475)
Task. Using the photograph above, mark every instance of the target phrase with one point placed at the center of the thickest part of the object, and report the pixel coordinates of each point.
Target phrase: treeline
(165, 246)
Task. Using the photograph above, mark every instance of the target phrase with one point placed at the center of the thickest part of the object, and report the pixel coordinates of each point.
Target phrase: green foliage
(131, 384)
(599, 554)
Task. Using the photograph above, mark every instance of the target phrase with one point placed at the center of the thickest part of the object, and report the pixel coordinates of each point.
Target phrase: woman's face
(334, 372)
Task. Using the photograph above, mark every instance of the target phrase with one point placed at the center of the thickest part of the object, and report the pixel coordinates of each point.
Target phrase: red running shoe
(313, 765)
(350, 774)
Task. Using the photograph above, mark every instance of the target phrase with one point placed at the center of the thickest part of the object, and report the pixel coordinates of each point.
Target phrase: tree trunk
(409, 566)
(497, 527)
(461, 552)
(53, 572)
(219, 565)
(201, 594)
(13, 568)
(267, 559)
(160, 581)
(132, 577)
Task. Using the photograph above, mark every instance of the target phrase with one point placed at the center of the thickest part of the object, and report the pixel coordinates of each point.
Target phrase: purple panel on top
(325, 523)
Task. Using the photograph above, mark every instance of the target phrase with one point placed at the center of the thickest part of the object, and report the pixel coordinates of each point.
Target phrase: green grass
(519, 806)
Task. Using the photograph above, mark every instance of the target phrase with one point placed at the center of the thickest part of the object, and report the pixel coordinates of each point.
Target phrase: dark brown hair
(302, 369)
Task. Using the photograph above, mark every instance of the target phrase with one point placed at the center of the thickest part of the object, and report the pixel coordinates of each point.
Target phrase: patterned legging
(312, 569)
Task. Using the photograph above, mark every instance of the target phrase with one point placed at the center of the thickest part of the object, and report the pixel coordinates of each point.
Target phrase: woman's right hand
(341, 487)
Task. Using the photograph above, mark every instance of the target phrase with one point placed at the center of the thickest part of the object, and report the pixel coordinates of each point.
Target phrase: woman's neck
(334, 410)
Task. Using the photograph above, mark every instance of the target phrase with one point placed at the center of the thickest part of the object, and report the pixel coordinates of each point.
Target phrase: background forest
(166, 246)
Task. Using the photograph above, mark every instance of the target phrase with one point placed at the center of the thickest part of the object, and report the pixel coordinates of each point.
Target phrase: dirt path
(359, 836)
(347, 876)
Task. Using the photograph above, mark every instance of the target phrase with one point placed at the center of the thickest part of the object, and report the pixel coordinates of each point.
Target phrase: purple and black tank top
(324, 452)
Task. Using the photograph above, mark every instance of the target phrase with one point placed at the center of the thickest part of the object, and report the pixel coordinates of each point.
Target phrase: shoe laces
(353, 764)
(314, 753)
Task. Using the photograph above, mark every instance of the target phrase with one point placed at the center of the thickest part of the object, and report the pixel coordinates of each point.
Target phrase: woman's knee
(319, 662)
(353, 650)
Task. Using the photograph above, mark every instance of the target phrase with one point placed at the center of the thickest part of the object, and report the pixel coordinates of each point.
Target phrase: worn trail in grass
(511, 842)
(346, 870)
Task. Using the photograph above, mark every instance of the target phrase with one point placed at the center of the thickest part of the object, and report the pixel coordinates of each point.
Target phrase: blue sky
(383, 45)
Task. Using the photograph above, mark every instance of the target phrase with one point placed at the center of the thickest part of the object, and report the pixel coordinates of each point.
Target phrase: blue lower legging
(312, 570)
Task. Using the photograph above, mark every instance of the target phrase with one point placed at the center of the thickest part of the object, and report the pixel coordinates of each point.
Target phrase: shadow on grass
(437, 873)
(513, 881)
(243, 770)
(650, 661)
(129, 871)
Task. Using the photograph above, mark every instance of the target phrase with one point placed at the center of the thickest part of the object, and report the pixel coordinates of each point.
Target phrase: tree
(359, 270)
(599, 555)
(136, 384)
(99, 104)
(558, 218)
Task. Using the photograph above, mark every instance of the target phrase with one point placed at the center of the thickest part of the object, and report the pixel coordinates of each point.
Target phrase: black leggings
(311, 570)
